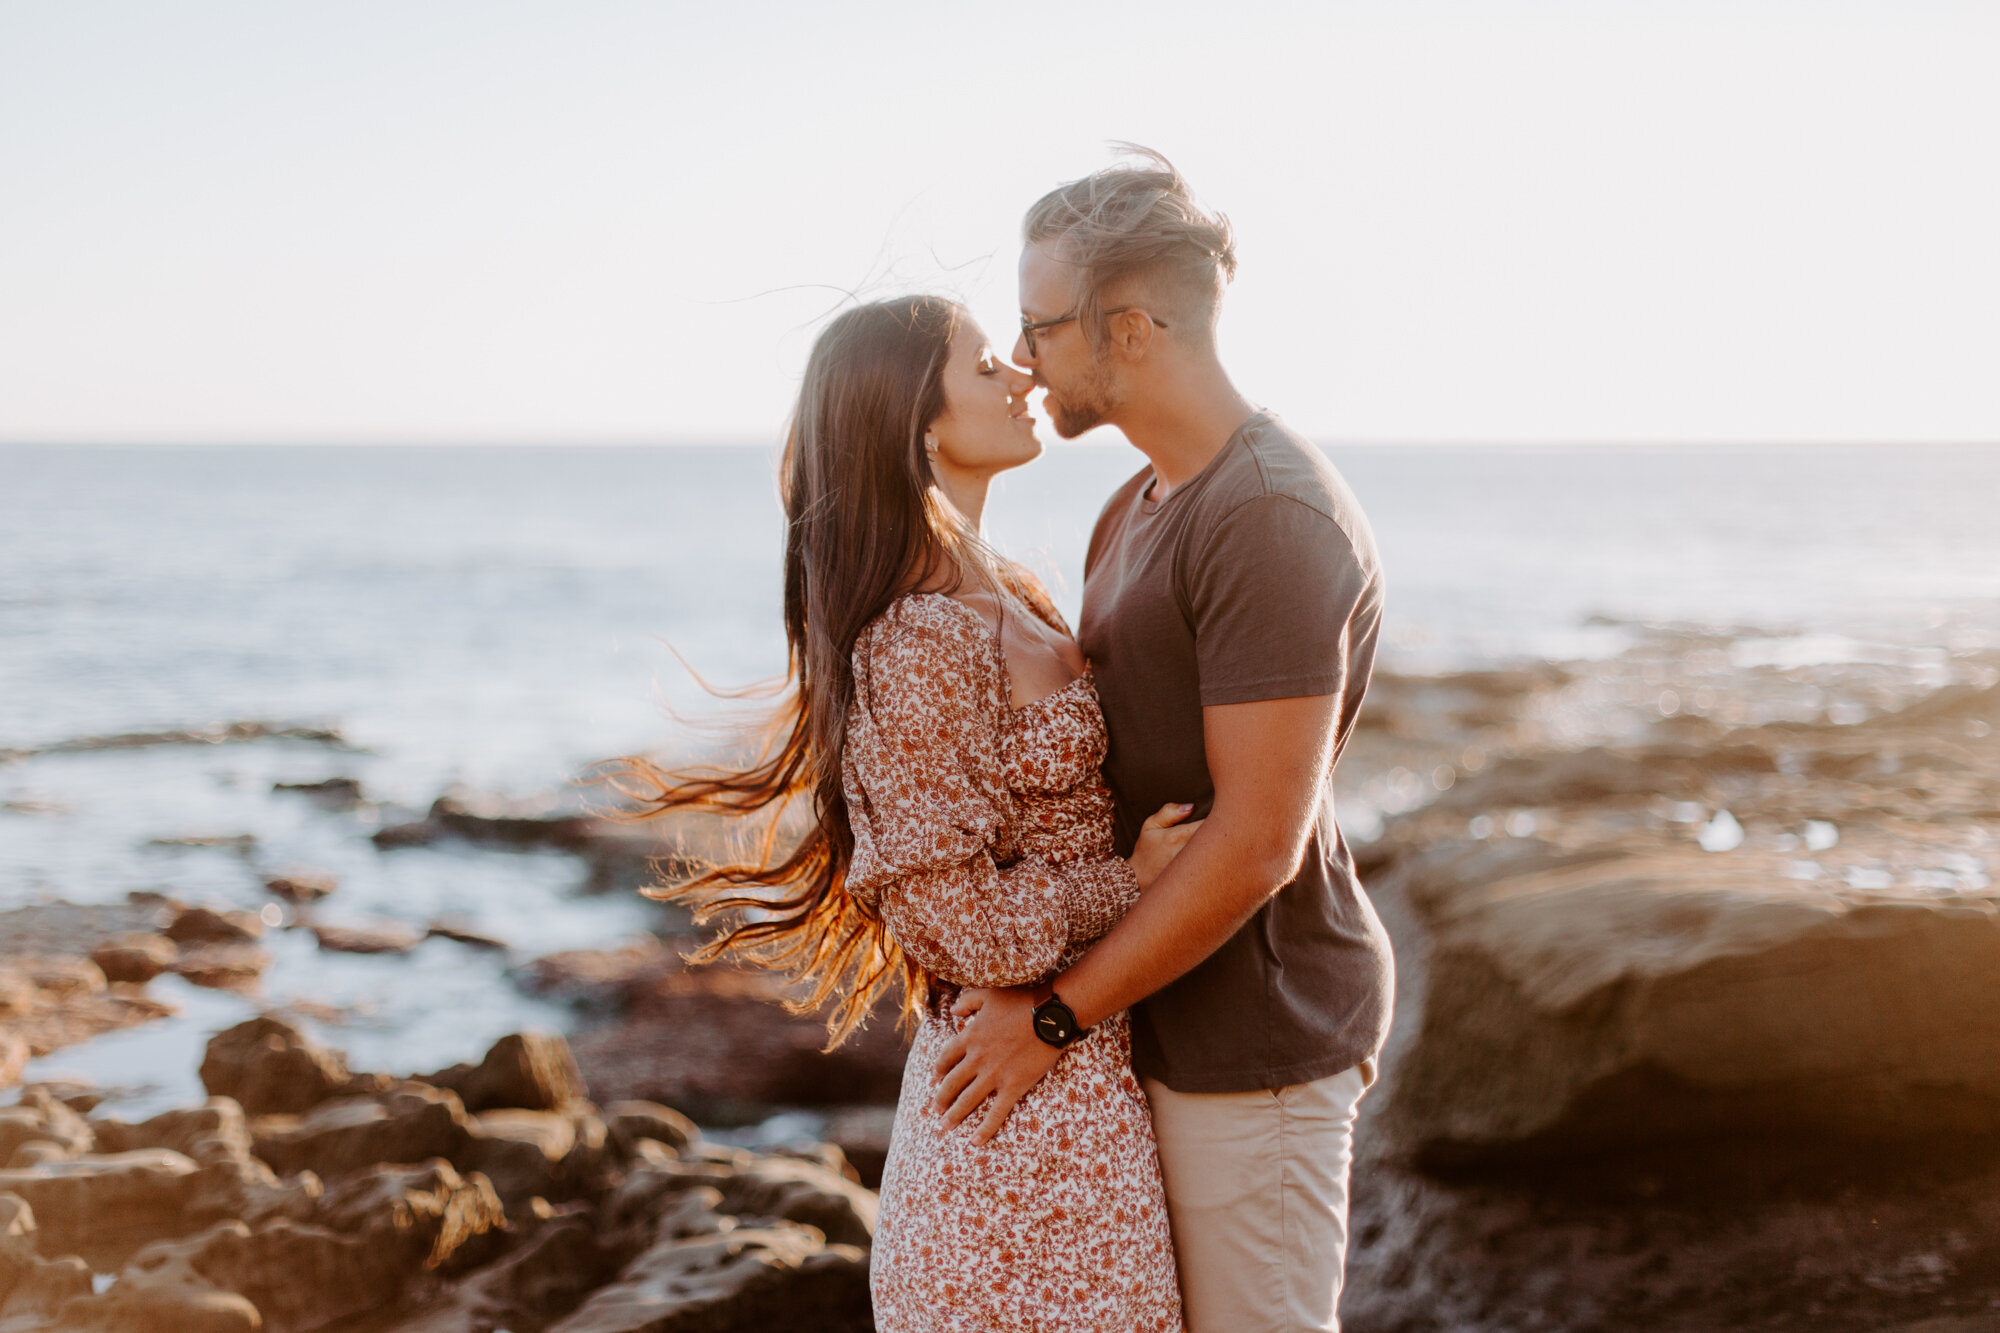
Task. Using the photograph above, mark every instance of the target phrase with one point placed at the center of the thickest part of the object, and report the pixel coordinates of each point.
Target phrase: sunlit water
(496, 617)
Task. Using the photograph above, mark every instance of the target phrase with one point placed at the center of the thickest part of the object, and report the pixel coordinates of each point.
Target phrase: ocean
(493, 618)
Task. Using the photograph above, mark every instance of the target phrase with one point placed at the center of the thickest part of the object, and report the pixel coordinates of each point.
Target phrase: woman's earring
(930, 445)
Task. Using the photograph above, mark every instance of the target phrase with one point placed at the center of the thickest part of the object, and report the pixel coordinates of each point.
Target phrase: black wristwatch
(1055, 1023)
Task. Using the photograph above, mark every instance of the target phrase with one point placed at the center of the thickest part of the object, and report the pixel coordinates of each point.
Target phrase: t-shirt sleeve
(1272, 592)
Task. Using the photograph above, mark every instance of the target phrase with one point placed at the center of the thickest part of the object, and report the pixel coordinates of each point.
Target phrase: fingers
(953, 1052)
(1003, 1106)
(969, 1002)
(968, 1101)
(1173, 812)
(1178, 836)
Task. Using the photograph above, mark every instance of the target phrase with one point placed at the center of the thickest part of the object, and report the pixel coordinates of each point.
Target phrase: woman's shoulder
(924, 622)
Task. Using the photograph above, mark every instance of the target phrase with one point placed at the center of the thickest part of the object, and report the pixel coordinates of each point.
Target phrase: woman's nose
(1019, 381)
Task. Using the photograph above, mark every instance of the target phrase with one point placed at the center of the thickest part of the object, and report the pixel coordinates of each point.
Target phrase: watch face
(1054, 1025)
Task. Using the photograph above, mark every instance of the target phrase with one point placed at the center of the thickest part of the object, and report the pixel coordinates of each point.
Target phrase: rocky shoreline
(1698, 950)
(1697, 1028)
(303, 1197)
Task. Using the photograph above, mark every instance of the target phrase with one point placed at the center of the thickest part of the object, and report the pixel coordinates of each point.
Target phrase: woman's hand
(1161, 838)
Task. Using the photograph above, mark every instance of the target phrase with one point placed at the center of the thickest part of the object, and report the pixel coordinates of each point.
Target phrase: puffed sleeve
(929, 805)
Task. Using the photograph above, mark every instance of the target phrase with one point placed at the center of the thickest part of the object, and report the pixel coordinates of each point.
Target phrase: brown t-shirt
(1255, 579)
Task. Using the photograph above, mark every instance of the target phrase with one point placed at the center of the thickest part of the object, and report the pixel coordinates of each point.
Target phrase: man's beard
(1086, 404)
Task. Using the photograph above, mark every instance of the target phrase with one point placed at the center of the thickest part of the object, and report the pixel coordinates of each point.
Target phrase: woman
(945, 729)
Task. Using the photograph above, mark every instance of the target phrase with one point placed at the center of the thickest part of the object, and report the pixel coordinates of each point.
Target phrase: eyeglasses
(1031, 327)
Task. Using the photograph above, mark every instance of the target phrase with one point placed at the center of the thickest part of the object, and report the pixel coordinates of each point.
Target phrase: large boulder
(1598, 1003)
(372, 1237)
(237, 967)
(269, 1067)
(100, 1198)
(160, 1289)
(411, 1123)
(137, 957)
(231, 1182)
(742, 1280)
(796, 1190)
(719, 1044)
(631, 1121)
(542, 1279)
(217, 1129)
(1794, 934)
(532, 1071)
(551, 1155)
(208, 925)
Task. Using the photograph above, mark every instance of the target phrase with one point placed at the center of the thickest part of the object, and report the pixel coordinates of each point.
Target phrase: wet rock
(802, 1191)
(510, 823)
(371, 1241)
(532, 1071)
(37, 1289)
(136, 958)
(19, 996)
(215, 1130)
(523, 1154)
(160, 1289)
(17, 1244)
(719, 1044)
(235, 967)
(301, 887)
(270, 1068)
(631, 1121)
(59, 977)
(607, 979)
(97, 1197)
(206, 925)
(417, 833)
(240, 843)
(382, 939)
(42, 1119)
(221, 733)
(13, 1058)
(541, 1280)
(51, 1001)
(460, 933)
(78, 1095)
(332, 793)
(1644, 990)
(349, 1134)
(862, 1135)
(75, 928)
(742, 1279)
(231, 1182)
(536, 1157)
(418, 1216)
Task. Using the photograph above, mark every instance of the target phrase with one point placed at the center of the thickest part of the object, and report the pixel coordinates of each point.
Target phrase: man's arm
(1269, 761)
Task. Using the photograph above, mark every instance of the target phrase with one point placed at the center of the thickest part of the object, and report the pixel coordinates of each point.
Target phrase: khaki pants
(1257, 1195)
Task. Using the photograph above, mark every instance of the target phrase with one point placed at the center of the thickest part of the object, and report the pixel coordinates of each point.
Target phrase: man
(1231, 602)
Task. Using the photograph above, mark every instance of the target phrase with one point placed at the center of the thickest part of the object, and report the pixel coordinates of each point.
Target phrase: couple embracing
(1101, 868)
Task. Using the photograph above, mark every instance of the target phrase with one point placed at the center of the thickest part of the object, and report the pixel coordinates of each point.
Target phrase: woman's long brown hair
(865, 524)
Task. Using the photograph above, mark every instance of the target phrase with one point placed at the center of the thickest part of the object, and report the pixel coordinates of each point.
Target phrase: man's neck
(1183, 423)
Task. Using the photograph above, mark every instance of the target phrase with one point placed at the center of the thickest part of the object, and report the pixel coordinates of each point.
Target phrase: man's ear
(1131, 334)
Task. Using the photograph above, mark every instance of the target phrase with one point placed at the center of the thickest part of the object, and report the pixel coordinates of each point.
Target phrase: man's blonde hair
(1137, 220)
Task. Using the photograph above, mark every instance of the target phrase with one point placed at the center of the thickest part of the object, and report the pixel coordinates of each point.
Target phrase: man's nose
(1022, 355)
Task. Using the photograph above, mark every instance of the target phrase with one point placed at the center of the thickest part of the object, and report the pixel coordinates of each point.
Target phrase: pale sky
(1490, 220)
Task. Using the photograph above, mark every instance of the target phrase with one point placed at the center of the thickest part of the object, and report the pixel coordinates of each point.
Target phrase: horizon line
(1095, 440)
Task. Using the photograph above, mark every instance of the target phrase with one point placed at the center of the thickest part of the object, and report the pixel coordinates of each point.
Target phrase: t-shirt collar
(1148, 505)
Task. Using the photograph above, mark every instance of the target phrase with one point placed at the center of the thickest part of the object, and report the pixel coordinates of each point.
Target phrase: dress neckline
(1000, 655)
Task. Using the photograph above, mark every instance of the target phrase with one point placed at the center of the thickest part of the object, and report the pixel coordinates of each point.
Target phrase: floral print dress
(982, 834)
